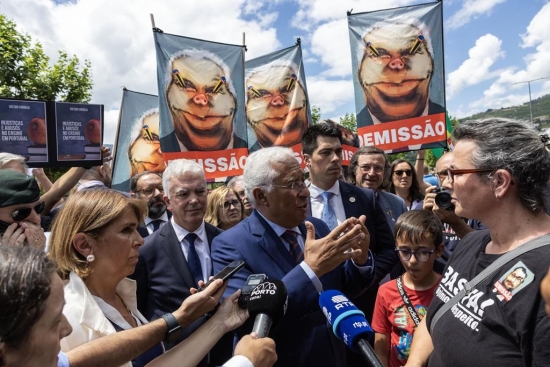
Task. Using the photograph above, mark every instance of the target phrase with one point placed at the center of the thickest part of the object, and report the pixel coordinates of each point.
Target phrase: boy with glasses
(402, 303)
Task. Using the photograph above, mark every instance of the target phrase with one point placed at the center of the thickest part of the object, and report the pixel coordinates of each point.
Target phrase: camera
(443, 199)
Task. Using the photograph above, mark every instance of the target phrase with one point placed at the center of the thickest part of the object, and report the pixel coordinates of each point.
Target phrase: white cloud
(116, 36)
(330, 43)
(477, 67)
(329, 95)
(470, 10)
(510, 87)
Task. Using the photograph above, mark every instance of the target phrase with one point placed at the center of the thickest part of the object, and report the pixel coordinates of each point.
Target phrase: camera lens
(443, 200)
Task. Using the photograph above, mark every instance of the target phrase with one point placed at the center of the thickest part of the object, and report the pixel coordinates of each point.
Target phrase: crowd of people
(92, 276)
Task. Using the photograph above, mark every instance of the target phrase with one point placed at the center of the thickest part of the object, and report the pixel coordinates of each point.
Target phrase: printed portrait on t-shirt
(513, 281)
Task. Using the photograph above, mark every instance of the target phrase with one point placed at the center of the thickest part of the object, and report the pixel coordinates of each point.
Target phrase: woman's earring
(90, 258)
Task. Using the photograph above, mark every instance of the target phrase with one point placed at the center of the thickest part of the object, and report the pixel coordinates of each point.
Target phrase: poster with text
(201, 103)
(79, 130)
(137, 145)
(277, 103)
(23, 129)
(398, 77)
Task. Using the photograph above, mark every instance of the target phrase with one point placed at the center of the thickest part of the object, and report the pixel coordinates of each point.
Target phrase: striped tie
(295, 250)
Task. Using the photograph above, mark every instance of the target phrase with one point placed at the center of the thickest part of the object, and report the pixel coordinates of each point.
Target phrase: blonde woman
(224, 208)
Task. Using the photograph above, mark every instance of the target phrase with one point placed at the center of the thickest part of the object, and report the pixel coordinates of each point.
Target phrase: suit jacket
(358, 201)
(163, 276)
(142, 228)
(170, 143)
(302, 336)
(392, 205)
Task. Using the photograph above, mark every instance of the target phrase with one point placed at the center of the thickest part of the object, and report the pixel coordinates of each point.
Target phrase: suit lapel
(271, 243)
(349, 200)
(172, 247)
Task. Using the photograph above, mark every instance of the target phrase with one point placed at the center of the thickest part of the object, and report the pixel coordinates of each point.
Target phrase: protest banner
(137, 143)
(398, 77)
(201, 102)
(277, 103)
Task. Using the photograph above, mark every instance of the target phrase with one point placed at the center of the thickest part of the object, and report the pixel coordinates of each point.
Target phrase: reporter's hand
(261, 352)
(229, 315)
(106, 154)
(199, 303)
(325, 254)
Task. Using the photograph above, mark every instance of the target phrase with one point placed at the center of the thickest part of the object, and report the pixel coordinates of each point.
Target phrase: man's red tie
(295, 250)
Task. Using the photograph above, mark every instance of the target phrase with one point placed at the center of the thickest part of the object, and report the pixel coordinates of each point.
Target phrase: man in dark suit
(177, 256)
(147, 186)
(275, 240)
(334, 201)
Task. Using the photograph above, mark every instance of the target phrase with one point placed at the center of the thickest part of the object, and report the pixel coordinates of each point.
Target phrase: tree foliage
(349, 122)
(315, 114)
(26, 73)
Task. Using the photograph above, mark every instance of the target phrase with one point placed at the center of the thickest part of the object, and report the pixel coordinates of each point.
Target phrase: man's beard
(156, 210)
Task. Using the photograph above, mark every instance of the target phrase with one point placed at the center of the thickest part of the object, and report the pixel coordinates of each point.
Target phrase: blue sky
(489, 44)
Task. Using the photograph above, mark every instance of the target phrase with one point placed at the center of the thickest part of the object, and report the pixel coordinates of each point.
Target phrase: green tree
(315, 114)
(349, 122)
(26, 73)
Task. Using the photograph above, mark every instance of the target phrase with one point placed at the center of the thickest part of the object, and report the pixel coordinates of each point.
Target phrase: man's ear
(166, 200)
(439, 251)
(82, 244)
(501, 182)
(307, 159)
(259, 196)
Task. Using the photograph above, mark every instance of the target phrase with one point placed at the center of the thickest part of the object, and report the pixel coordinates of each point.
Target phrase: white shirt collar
(182, 232)
(163, 217)
(315, 192)
(279, 230)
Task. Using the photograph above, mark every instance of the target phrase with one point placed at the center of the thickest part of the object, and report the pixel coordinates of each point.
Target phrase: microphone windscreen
(270, 298)
(347, 321)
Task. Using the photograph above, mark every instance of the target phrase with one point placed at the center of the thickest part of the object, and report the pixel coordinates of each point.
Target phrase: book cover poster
(398, 77)
(23, 129)
(79, 131)
(137, 146)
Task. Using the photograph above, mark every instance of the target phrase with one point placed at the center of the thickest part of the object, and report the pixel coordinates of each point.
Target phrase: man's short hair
(177, 168)
(368, 150)
(135, 179)
(325, 129)
(417, 226)
(6, 158)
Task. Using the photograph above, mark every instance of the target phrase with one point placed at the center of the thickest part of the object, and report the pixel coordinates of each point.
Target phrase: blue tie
(193, 258)
(156, 224)
(328, 215)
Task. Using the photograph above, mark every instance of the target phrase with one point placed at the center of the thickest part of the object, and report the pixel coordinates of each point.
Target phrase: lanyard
(407, 301)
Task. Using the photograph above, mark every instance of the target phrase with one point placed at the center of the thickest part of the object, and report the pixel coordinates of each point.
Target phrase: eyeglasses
(151, 190)
(420, 255)
(235, 203)
(443, 174)
(407, 172)
(366, 168)
(23, 213)
(294, 186)
(455, 172)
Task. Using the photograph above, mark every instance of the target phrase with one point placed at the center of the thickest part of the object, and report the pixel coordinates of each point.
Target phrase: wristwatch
(174, 328)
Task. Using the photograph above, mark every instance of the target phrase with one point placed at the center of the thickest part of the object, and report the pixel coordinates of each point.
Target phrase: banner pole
(152, 20)
(117, 130)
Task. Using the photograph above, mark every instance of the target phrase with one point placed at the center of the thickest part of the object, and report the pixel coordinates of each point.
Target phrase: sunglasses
(23, 213)
(400, 172)
(227, 205)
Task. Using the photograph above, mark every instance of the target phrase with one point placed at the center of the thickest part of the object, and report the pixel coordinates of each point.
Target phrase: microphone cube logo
(341, 301)
(263, 288)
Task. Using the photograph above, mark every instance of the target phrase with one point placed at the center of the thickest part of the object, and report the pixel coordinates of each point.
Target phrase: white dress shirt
(317, 202)
(201, 245)
(149, 225)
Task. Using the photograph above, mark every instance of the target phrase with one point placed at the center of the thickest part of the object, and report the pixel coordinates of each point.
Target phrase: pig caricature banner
(277, 104)
(397, 63)
(201, 103)
(52, 134)
(137, 144)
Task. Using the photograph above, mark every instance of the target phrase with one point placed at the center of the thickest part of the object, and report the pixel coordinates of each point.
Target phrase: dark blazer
(170, 143)
(163, 276)
(142, 229)
(302, 336)
(392, 206)
(358, 201)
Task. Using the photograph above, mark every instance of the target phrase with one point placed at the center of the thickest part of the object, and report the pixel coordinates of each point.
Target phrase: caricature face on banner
(201, 102)
(144, 152)
(277, 108)
(399, 83)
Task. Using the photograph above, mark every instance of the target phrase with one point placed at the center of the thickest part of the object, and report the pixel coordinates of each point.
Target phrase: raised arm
(421, 347)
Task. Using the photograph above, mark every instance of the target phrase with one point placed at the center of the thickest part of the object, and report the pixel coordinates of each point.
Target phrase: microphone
(267, 302)
(349, 324)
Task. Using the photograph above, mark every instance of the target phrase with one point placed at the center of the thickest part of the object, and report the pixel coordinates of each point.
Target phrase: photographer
(454, 227)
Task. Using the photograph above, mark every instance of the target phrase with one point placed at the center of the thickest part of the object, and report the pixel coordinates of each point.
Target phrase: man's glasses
(235, 203)
(151, 190)
(455, 172)
(294, 186)
(420, 255)
(23, 213)
(400, 172)
(442, 174)
(366, 168)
